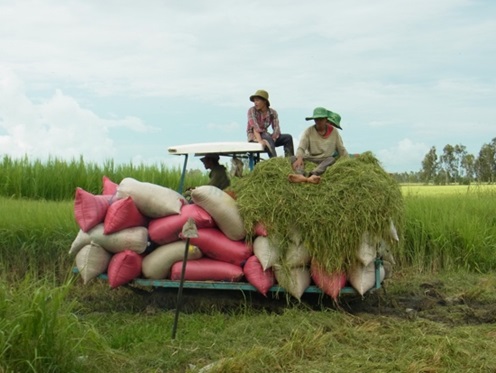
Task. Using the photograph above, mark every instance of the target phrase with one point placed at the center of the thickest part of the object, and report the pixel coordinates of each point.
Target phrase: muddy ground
(430, 300)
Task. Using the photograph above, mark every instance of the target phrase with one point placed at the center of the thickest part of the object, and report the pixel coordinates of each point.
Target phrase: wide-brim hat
(212, 156)
(262, 94)
(318, 112)
(334, 119)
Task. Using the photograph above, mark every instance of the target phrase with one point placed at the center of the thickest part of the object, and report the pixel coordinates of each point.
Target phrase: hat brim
(252, 98)
(310, 118)
(214, 158)
(333, 124)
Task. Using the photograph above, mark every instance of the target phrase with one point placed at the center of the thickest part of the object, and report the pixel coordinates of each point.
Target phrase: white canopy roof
(221, 148)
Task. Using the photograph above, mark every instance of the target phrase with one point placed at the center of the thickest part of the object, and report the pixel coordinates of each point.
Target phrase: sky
(124, 80)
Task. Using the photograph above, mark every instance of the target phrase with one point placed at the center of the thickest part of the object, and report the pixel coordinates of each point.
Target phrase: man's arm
(253, 124)
(340, 147)
(275, 125)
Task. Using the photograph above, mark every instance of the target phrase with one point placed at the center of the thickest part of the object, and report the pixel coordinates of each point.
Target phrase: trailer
(251, 153)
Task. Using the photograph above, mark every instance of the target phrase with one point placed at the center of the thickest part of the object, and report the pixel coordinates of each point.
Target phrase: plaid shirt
(260, 123)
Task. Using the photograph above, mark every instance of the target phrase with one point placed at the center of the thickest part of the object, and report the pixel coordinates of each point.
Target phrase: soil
(427, 300)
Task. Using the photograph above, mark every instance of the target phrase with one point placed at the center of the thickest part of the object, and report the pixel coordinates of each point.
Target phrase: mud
(428, 300)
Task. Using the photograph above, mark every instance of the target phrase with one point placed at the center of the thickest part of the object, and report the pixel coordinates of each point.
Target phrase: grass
(40, 333)
(300, 338)
(34, 236)
(421, 190)
(436, 314)
(451, 229)
(57, 179)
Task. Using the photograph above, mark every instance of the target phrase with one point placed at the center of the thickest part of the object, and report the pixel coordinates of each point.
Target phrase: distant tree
(485, 164)
(448, 163)
(429, 166)
(441, 178)
(467, 163)
(460, 153)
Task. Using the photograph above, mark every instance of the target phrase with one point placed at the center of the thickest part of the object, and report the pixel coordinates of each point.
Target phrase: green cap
(318, 112)
(321, 112)
(334, 118)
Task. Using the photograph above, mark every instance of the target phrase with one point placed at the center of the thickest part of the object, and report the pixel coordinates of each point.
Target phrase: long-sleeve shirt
(259, 122)
(314, 145)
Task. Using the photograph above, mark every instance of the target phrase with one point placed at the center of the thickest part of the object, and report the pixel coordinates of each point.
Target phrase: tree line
(454, 166)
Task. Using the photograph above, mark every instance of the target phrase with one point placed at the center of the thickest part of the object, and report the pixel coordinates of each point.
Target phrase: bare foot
(314, 179)
(297, 178)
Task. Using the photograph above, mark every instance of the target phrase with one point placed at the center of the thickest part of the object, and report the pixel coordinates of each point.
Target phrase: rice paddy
(436, 314)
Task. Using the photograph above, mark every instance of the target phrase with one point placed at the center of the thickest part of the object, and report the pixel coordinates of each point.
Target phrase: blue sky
(124, 80)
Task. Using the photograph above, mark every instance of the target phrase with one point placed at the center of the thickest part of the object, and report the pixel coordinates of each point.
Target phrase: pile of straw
(354, 196)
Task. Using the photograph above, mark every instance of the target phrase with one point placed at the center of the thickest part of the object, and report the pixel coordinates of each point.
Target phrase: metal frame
(243, 150)
(240, 286)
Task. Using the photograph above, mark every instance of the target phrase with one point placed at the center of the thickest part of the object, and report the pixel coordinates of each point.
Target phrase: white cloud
(405, 152)
(393, 69)
(57, 126)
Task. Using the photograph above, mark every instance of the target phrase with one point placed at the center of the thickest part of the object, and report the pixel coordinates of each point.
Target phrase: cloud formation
(122, 80)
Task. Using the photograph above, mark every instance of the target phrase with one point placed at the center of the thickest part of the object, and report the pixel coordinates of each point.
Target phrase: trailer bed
(239, 286)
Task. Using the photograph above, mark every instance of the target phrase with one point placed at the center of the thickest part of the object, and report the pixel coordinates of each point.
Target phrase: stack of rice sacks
(133, 230)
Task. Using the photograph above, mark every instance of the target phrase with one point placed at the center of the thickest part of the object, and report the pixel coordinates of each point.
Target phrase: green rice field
(436, 314)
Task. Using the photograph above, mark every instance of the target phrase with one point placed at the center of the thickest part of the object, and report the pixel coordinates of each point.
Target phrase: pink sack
(90, 209)
(109, 187)
(260, 279)
(123, 214)
(124, 267)
(205, 269)
(216, 245)
(330, 284)
(260, 230)
(166, 229)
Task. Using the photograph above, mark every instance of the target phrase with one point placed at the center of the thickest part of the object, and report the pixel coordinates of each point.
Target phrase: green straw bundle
(354, 196)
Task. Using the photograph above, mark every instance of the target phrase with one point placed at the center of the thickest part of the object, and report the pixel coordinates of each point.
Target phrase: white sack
(266, 253)
(295, 280)
(223, 209)
(134, 239)
(366, 252)
(82, 239)
(92, 260)
(297, 255)
(152, 200)
(362, 278)
(158, 263)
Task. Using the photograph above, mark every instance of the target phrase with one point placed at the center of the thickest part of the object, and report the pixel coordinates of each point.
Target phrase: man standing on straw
(318, 145)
